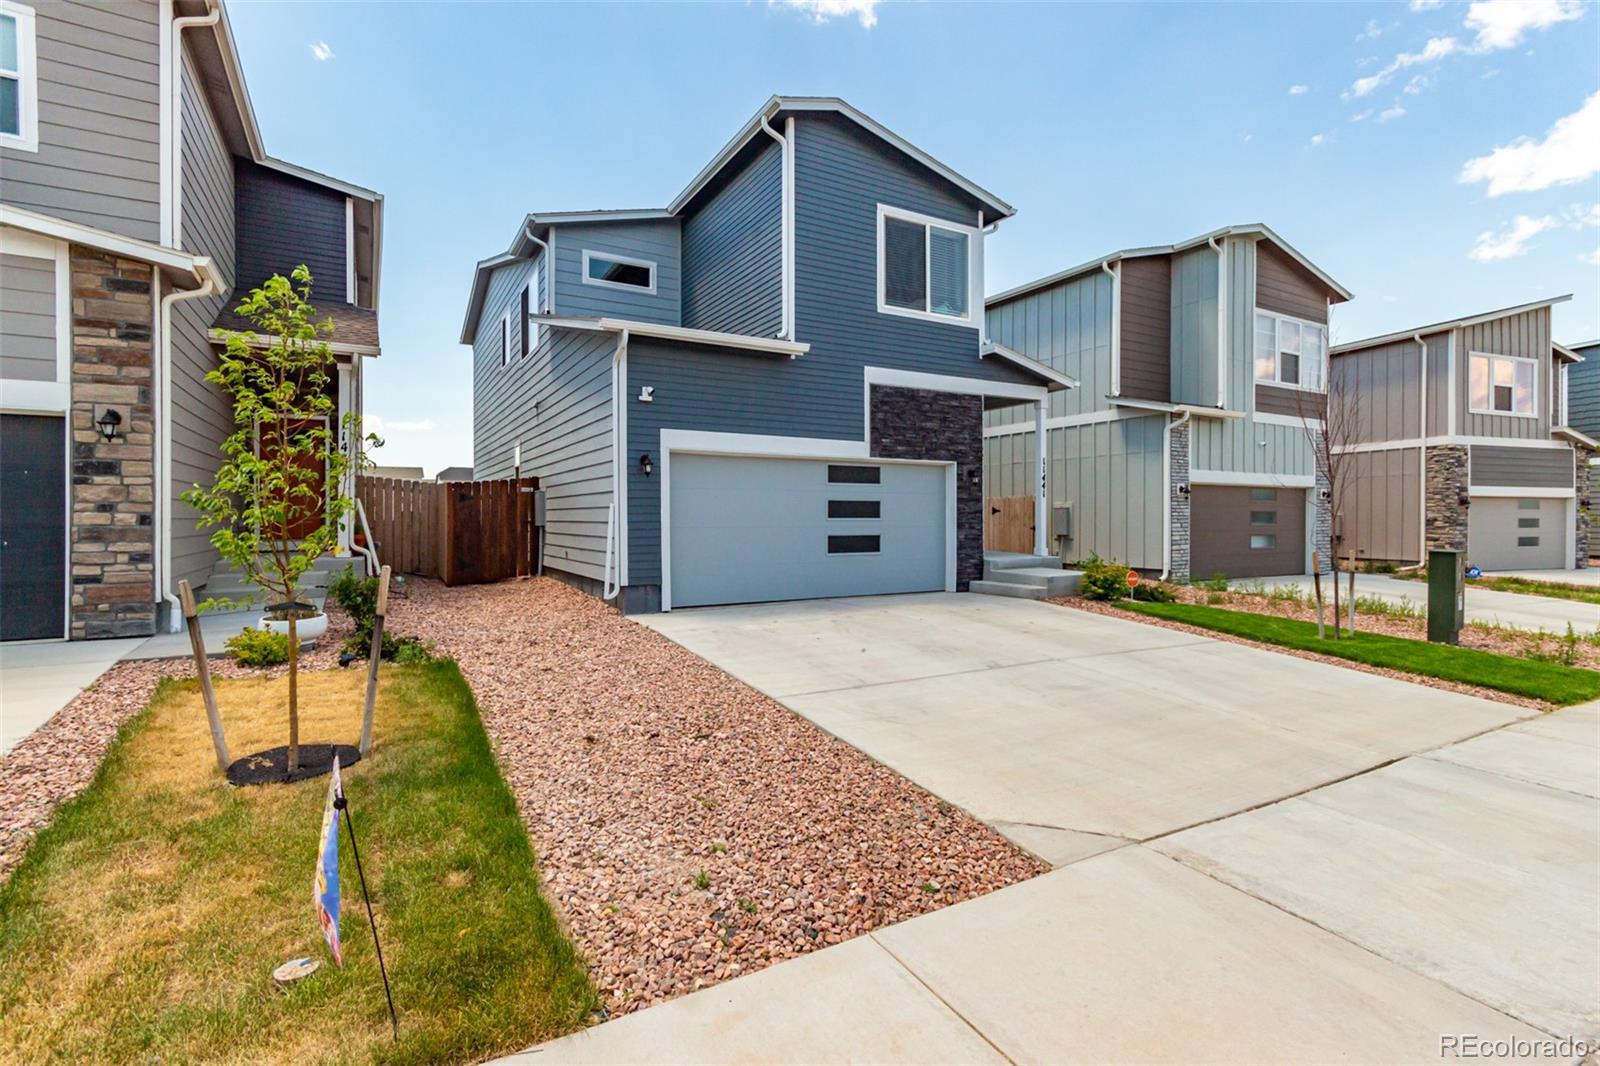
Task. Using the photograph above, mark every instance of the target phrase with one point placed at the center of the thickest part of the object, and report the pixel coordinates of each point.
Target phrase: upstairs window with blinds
(926, 267)
(1290, 351)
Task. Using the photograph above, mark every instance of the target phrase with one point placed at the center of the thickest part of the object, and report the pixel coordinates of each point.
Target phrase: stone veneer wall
(918, 424)
(1321, 493)
(113, 483)
(1179, 502)
(1583, 481)
(1445, 522)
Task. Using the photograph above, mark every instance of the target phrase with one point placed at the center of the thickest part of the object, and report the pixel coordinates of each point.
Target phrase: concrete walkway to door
(38, 678)
(1261, 858)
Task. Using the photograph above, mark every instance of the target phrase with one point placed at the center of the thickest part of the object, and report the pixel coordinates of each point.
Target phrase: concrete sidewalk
(1362, 922)
(38, 679)
(1483, 605)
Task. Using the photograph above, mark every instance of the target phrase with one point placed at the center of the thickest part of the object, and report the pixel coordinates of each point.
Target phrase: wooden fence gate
(1008, 524)
(462, 532)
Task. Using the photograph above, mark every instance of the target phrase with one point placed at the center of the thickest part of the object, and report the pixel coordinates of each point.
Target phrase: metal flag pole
(340, 803)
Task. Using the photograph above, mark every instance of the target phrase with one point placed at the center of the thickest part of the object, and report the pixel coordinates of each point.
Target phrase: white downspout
(1422, 459)
(162, 496)
(1166, 513)
(1041, 502)
(549, 269)
(786, 282)
(175, 163)
(617, 514)
(1222, 320)
(1115, 274)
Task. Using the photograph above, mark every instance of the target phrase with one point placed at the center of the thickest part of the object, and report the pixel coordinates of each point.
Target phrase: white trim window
(928, 267)
(505, 339)
(1291, 352)
(1502, 385)
(619, 272)
(19, 78)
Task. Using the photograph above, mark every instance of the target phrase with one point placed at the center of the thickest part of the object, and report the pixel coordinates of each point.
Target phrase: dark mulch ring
(271, 767)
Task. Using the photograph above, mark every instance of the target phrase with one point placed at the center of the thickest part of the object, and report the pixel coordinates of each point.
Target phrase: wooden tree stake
(294, 691)
(374, 656)
(203, 669)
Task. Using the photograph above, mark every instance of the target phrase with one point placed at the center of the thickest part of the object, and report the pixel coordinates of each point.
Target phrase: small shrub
(747, 905)
(1104, 580)
(1215, 583)
(702, 880)
(1153, 592)
(259, 647)
(1568, 651)
(1291, 594)
(1214, 598)
(1377, 605)
(408, 651)
(1378, 568)
(359, 598)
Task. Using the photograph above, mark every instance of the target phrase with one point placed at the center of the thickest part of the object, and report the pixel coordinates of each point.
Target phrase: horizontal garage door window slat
(853, 475)
(853, 544)
(854, 508)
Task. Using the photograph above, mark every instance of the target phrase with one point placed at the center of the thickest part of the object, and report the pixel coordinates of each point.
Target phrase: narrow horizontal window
(854, 508)
(1527, 542)
(853, 544)
(1263, 541)
(1527, 523)
(853, 475)
(618, 271)
(1263, 494)
(1263, 518)
(1527, 505)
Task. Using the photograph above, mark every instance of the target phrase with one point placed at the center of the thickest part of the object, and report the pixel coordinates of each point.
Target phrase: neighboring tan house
(1465, 444)
(772, 388)
(1186, 450)
(137, 199)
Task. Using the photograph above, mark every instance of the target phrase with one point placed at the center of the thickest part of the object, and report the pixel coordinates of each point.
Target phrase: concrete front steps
(228, 583)
(1027, 577)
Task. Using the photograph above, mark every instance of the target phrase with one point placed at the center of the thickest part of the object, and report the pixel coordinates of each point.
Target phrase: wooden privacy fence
(1008, 524)
(462, 532)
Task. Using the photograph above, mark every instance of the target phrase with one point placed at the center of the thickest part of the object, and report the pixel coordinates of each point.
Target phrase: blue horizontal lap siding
(841, 176)
(656, 242)
(282, 221)
(1583, 392)
(733, 253)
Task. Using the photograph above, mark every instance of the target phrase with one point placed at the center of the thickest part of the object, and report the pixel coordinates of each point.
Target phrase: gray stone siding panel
(916, 424)
(1584, 482)
(1178, 501)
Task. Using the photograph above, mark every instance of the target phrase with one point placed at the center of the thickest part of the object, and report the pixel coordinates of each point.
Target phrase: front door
(33, 520)
(271, 440)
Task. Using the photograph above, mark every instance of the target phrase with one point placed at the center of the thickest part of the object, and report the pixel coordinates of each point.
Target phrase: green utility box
(1447, 596)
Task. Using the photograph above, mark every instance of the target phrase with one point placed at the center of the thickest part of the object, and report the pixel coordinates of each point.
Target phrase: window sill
(928, 316)
(1503, 414)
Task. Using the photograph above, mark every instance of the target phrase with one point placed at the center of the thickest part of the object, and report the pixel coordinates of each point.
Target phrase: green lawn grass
(1558, 590)
(1522, 677)
(144, 923)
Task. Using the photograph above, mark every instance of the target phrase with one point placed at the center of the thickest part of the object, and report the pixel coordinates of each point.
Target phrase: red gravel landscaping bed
(689, 828)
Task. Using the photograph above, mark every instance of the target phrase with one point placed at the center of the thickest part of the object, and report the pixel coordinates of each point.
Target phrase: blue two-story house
(773, 388)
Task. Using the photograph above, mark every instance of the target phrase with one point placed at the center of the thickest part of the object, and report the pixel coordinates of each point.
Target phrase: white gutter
(1115, 274)
(162, 496)
(617, 516)
(175, 162)
(786, 282)
(1166, 463)
(1222, 320)
(1422, 459)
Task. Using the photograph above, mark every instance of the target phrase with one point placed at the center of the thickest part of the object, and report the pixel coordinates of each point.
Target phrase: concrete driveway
(1483, 605)
(1260, 858)
(39, 678)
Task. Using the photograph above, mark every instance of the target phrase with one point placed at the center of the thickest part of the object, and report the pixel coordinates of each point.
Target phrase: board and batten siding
(1193, 308)
(657, 242)
(27, 318)
(556, 402)
(1382, 505)
(1494, 465)
(201, 414)
(733, 252)
(1068, 327)
(1146, 334)
(99, 159)
(1526, 335)
(282, 221)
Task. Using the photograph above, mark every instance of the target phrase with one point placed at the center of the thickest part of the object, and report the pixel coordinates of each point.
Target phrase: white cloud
(1511, 241)
(1299, 90)
(1362, 116)
(1374, 30)
(322, 51)
(1389, 114)
(1501, 23)
(823, 10)
(1318, 138)
(1436, 49)
(1592, 258)
(1426, 5)
(1419, 84)
(1569, 153)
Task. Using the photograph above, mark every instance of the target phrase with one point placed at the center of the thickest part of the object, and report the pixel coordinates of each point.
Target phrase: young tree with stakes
(277, 500)
(1331, 421)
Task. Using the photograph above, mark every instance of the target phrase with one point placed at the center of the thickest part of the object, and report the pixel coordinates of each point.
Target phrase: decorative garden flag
(325, 890)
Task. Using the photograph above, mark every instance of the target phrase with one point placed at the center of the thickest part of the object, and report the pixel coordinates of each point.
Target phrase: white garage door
(748, 530)
(1517, 534)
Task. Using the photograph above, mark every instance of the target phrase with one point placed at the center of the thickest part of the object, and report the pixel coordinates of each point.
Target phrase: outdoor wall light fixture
(645, 464)
(109, 423)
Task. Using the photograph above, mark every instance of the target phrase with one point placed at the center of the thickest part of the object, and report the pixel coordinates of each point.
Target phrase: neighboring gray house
(1185, 452)
(1465, 443)
(772, 388)
(137, 198)
(1583, 389)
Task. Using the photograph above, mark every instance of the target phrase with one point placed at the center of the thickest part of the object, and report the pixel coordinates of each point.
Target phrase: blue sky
(1436, 158)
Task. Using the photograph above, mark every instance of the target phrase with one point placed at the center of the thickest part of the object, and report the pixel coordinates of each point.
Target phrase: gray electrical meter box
(1447, 596)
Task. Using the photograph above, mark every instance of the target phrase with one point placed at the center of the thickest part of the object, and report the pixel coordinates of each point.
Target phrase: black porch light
(109, 423)
(645, 464)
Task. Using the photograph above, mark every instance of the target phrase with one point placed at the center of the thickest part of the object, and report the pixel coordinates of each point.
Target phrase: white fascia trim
(788, 280)
(1576, 437)
(256, 340)
(742, 341)
(1453, 383)
(1566, 354)
(318, 178)
(1115, 274)
(1251, 480)
(916, 379)
(1264, 418)
(1032, 366)
(1440, 327)
(971, 319)
(1224, 262)
(1175, 408)
(1093, 418)
(63, 311)
(592, 325)
(1519, 492)
(115, 243)
(592, 253)
(349, 250)
(50, 397)
(1415, 442)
